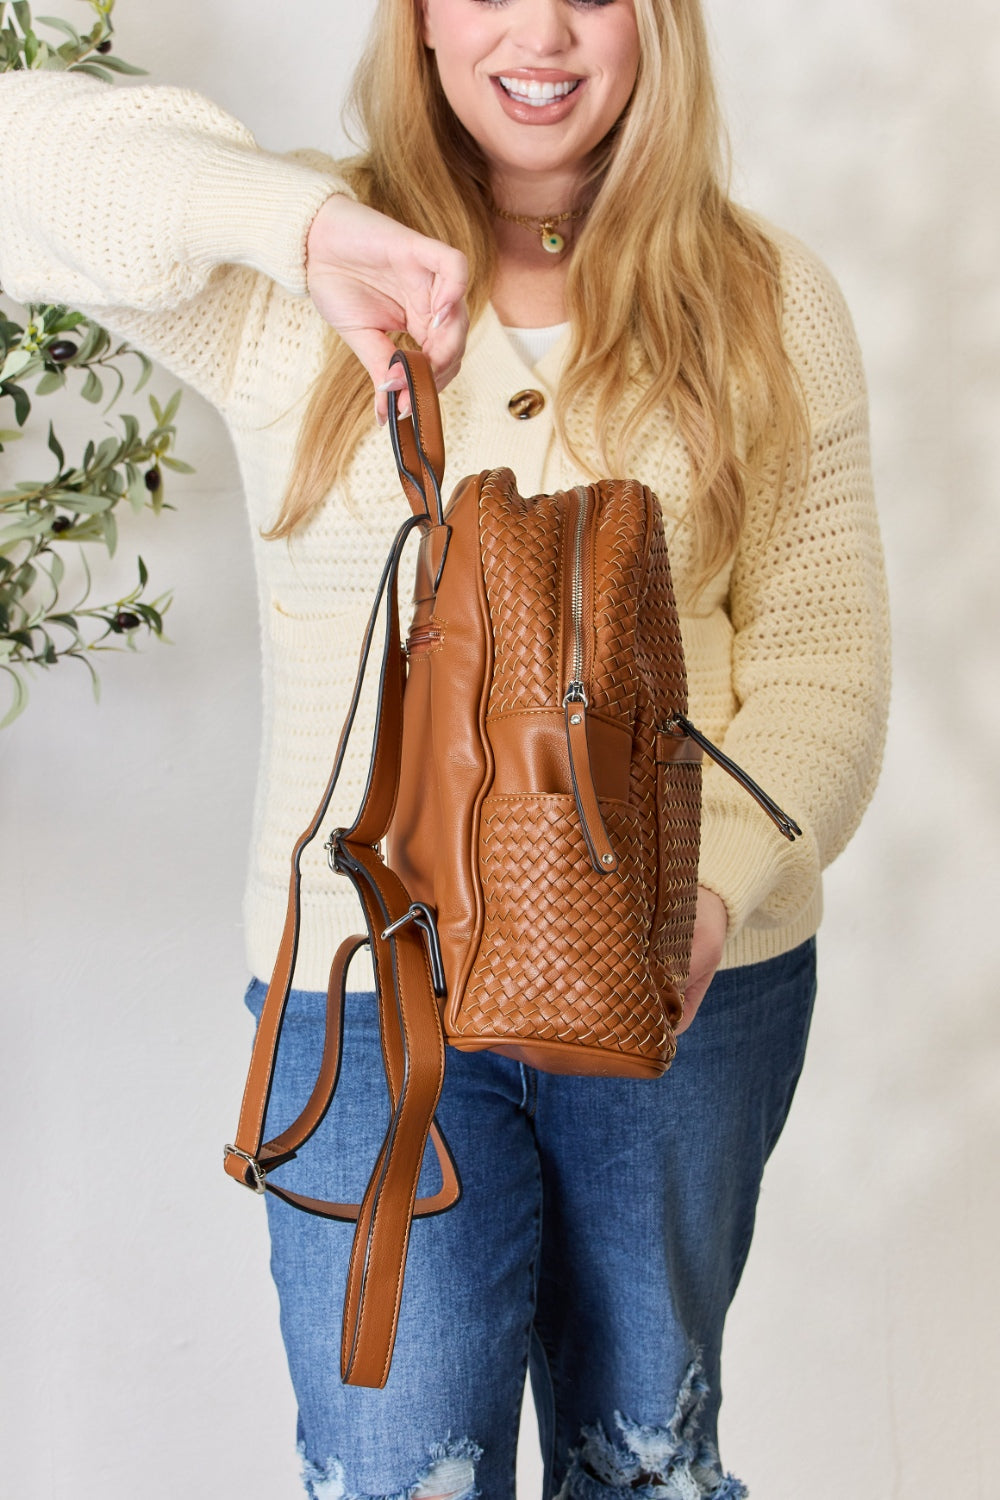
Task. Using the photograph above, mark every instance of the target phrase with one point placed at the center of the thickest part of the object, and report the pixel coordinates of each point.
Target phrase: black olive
(124, 620)
(61, 523)
(153, 480)
(105, 46)
(61, 350)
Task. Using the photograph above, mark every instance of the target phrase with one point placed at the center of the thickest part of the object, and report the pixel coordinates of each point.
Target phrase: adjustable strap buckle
(424, 917)
(332, 847)
(335, 856)
(257, 1174)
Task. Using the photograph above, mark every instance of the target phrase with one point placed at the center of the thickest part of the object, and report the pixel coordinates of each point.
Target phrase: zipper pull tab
(679, 726)
(602, 856)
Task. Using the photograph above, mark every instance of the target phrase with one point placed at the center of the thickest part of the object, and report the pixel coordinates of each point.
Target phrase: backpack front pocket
(563, 959)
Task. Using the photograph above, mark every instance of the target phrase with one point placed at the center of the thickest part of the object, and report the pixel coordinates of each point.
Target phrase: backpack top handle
(417, 440)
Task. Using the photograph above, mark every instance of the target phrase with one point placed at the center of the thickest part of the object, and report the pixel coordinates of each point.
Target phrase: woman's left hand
(710, 926)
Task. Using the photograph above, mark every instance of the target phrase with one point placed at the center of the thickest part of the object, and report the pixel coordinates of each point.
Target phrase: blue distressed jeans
(600, 1236)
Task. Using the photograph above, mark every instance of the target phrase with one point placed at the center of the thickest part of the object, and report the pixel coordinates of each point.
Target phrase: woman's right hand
(711, 924)
(370, 276)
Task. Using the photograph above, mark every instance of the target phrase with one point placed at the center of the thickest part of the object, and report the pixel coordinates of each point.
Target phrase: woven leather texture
(522, 554)
(659, 649)
(619, 585)
(679, 822)
(675, 821)
(565, 953)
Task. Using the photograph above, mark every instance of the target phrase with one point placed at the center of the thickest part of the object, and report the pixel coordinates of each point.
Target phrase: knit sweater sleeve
(152, 210)
(810, 660)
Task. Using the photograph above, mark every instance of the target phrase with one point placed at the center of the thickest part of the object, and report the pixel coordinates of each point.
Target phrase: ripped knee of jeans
(676, 1462)
(450, 1475)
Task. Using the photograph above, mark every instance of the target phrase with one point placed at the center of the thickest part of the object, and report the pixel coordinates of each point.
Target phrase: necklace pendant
(552, 241)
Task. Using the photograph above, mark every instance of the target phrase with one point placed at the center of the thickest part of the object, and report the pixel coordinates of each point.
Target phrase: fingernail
(395, 384)
(440, 316)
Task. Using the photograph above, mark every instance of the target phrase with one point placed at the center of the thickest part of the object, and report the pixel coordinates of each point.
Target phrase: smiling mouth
(531, 92)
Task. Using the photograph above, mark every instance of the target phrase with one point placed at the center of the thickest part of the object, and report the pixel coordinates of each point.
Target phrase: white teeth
(530, 91)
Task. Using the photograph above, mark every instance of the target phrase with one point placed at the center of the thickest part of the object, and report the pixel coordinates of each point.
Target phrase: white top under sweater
(532, 344)
(154, 211)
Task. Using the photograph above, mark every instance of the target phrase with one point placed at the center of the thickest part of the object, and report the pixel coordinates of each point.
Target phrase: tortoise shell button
(526, 404)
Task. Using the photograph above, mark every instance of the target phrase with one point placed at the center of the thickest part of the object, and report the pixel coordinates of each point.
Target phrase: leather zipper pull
(602, 856)
(679, 726)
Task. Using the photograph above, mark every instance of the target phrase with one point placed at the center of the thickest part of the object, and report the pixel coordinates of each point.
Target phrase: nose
(542, 28)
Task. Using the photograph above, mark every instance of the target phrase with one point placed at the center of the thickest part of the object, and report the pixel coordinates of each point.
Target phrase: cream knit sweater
(157, 213)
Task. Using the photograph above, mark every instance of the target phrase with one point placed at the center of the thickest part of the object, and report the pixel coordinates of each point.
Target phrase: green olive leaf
(56, 447)
(92, 389)
(20, 699)
(22, 403)
(16, 361)
(84, 502)
(52, 380)
(118, 65)
(33, 526)
(147, 370)
(92, 68)
(58, 24)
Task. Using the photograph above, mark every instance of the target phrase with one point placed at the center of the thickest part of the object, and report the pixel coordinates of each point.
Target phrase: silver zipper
(575, 692)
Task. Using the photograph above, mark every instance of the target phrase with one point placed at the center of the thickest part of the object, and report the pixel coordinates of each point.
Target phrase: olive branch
(52, 349)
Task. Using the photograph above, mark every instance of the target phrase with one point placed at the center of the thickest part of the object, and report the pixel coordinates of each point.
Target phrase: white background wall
(141, 1353)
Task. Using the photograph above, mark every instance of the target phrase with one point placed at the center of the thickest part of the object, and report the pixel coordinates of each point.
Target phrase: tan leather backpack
(526, 852)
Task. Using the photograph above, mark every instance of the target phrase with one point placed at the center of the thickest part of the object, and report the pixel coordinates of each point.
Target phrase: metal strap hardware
(255, 1181)
(425, 919)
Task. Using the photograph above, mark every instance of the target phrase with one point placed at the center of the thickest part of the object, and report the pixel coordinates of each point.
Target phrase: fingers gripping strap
(417, 440)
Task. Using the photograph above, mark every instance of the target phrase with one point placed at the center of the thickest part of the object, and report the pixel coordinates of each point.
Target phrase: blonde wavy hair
(686, 282)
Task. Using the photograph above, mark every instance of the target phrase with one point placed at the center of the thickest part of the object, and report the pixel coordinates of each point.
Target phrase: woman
(539, 207)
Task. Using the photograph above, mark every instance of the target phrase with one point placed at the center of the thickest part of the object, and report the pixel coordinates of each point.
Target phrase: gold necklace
(545, 227)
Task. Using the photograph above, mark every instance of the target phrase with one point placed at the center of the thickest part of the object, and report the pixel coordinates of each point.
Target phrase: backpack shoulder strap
(408, 972)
